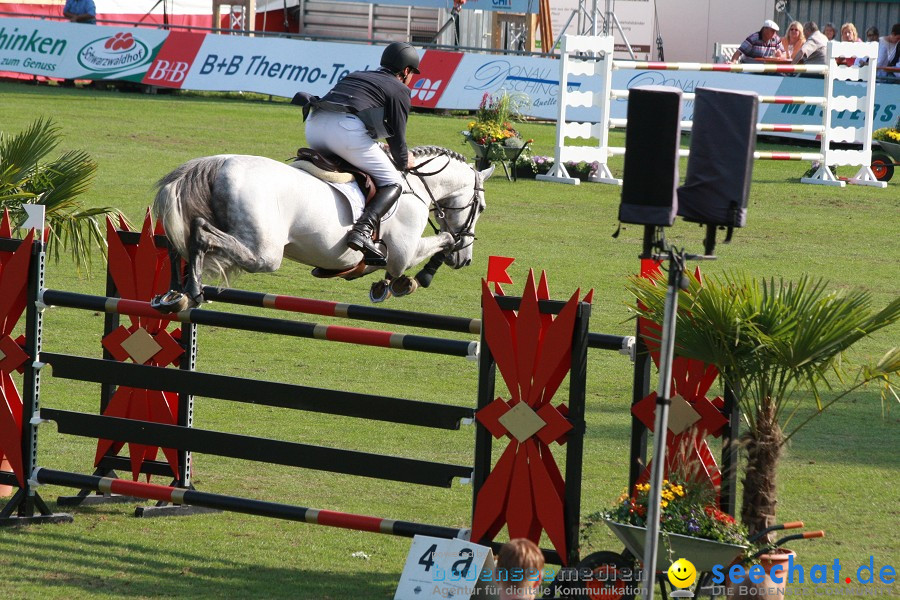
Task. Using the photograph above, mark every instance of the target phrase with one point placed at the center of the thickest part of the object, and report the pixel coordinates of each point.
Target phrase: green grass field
(840, 474)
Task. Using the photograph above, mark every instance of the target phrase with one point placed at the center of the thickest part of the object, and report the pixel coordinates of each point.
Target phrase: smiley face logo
(682, 573)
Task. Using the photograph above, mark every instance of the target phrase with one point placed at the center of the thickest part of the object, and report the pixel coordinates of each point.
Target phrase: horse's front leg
(429, 246)
(401, 284)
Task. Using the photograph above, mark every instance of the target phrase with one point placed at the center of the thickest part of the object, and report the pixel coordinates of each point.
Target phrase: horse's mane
(427, 151)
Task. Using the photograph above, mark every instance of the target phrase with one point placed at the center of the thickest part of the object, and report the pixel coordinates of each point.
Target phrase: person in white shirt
(889, 52)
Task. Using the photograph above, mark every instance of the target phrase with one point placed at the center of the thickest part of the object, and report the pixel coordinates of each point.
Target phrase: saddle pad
(348, 189)
(328, 176)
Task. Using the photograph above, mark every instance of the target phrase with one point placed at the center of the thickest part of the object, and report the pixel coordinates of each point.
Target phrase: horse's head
(459, 202)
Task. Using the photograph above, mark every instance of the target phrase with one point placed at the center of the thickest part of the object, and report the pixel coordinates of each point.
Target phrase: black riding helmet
(399, 55)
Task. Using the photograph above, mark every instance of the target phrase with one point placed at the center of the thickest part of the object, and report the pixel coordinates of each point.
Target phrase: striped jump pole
(720, 67)
(327, 308)
(335, 333)
(359, 312)
(164, 493)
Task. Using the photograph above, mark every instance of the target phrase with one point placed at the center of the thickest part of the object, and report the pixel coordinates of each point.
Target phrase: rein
(439, 210)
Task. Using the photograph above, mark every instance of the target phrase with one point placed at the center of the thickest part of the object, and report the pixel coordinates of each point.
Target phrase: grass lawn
(840, 474)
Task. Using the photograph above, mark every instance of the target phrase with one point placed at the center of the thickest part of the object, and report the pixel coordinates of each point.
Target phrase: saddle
(335, 168)
(335, 165)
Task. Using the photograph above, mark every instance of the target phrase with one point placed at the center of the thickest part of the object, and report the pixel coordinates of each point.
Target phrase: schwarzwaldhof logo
(116, 53)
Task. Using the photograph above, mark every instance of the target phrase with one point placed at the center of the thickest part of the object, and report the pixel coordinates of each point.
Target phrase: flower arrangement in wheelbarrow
(685, 508)
(691, 526)
(492, 131)
(888, 134)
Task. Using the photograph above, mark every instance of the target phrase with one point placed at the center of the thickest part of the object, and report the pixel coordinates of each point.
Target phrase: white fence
(591, 56)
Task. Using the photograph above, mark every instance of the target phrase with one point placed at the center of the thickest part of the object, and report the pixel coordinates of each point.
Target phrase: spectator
(764, 43)
(520, 566)
(849, 33)
(889, 52)
(829, 31)
(80, 11)
(872, 34)
(813, 50)
(793, 40)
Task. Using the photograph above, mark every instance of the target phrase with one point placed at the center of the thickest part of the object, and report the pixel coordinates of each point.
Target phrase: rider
(363, 107)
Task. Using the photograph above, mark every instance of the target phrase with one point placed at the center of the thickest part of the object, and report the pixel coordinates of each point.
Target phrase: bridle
(465, 232)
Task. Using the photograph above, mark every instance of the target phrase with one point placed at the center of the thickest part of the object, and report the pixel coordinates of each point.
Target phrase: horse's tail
(185, 194)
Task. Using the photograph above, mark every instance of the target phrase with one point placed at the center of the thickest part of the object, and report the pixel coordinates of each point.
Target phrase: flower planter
(503, 152)
(767, 588)
(704, 554)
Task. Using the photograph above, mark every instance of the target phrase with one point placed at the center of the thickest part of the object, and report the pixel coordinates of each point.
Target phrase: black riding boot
(360, 237)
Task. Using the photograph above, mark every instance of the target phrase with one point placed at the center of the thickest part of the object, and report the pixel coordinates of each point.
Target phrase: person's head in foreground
(520, 566)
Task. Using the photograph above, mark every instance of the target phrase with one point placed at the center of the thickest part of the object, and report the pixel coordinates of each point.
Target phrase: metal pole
(663, 402)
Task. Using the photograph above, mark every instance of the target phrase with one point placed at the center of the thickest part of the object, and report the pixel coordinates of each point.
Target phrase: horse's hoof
(403, 286)
(170, 302)
(380, 291)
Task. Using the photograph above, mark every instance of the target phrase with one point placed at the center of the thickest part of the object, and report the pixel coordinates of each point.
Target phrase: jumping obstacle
(334, 333)
(592, 56)
(179, 437)
(169, 494)
(604, 341)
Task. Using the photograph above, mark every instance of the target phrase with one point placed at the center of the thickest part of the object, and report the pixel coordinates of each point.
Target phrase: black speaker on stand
(720, 168)
(714, 194)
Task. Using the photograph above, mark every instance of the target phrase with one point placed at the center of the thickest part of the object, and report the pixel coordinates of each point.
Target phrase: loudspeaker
(651, 156)
(720, 167)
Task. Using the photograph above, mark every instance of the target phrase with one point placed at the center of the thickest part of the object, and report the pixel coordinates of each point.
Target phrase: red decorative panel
(687, 451)
(14, 285)
(139, 273)
(525, 489)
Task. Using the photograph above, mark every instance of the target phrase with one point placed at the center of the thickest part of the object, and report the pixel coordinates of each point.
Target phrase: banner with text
(449, 80)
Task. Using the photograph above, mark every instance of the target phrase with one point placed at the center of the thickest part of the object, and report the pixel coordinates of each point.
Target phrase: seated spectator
(764, 43)
(813, 51)
(520, 566)
(872, 34)
(849, 34)
(793, 40)
(829, 31)
(889, 52)
(80, 11)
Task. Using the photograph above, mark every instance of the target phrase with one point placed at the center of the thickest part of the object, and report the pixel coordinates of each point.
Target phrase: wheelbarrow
(614, 575)
(885, 159)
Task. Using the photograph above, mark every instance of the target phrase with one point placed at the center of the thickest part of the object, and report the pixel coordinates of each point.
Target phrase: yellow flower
(663, 504)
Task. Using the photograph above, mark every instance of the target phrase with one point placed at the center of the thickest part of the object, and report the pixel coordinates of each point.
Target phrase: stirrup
(373, 256)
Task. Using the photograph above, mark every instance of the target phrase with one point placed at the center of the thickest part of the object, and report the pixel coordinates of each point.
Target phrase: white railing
(592, 57)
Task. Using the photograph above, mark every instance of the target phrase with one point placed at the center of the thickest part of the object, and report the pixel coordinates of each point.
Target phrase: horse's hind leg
(208, 239)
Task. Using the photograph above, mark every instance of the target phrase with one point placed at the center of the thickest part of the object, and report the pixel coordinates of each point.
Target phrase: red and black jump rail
(164, 493)
(327, 308)
(335, 333)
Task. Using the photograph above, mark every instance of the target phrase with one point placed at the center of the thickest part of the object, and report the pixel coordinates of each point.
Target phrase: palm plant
(776, 344)
(27, 177)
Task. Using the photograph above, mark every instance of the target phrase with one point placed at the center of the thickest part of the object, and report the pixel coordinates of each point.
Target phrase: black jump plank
(245, 447)
(265, 393)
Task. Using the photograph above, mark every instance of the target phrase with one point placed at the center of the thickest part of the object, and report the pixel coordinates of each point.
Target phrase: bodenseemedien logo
(114, 53)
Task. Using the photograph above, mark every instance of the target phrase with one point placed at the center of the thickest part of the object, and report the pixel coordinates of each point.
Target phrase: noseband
(439, 209)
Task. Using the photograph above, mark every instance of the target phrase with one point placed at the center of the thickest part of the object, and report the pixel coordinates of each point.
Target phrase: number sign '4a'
(442, 568)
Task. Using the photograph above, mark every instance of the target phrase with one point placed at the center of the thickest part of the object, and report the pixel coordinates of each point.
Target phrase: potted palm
(775, 343)
(28, 176)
